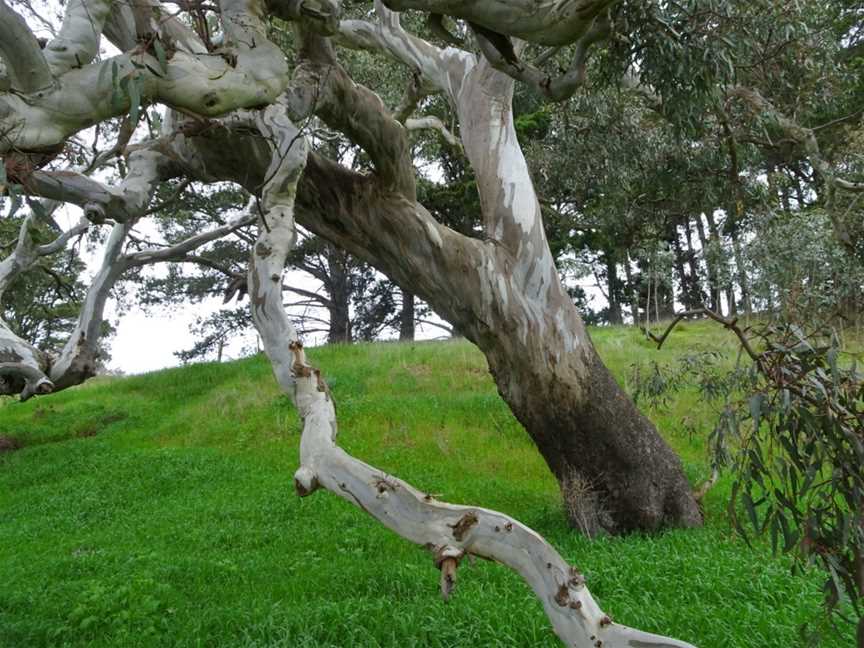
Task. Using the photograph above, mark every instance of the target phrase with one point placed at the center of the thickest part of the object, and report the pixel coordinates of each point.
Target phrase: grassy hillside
(159, 510)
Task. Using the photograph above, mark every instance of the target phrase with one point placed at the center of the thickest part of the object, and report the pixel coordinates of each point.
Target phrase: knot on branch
(322, 16)
(447, 560)
(94, 213)
(464, 525)
(300, 368)
(305, 481)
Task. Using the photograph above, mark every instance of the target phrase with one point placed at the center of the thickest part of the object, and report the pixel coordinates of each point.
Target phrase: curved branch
(442, 69)
(551, 87)
(23, 366)
(77, 42)
(25, 64)
(324, 88)
(79, 357)
(249, 71)
(543, 22)
(433, 123)
(60, 242)
(450, 532)
(180, 251)
(146, 168)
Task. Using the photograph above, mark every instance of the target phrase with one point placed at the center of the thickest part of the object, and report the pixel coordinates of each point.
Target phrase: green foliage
(42, 305)
(177, 525)
(790, 427)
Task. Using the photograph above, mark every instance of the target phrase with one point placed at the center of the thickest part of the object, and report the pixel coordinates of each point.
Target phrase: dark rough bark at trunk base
(617, 474)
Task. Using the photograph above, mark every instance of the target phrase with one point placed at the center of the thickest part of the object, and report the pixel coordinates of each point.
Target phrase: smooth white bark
(77, 42)
(25, 65)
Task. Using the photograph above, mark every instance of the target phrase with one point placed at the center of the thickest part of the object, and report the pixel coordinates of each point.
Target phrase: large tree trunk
(505, 295)
(449, 532)
(539, 353)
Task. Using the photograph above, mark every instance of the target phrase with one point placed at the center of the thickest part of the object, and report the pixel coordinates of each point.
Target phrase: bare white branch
(433, 123)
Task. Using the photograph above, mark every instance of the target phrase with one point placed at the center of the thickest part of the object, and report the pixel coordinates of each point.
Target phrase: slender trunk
(697, 297)
(741, 272)
(728, 288)
(406, 317)
(713, 283)
(339, 285)
(614, 288)
(683, 280)
(632, 293)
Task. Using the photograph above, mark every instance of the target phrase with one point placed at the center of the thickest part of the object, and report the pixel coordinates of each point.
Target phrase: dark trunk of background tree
(614, 288)
(728, 288)
(713, 283)
(683, 279)
(666, 297)
(406, 317)
(340, 296)
(741, 273)
(697, 296)
(632, 293)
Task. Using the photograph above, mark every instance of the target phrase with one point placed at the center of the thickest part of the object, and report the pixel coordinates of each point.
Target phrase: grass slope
(159, 510)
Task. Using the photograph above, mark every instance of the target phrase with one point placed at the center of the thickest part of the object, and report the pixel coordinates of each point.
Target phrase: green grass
(159, 510)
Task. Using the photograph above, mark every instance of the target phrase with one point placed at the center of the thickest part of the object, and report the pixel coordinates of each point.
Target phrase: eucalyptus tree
(238, 110)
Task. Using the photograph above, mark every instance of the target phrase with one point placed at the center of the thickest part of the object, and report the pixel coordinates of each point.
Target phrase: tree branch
(252, 72)
(553, 88)
(437, 67)
(433, 123)
(450, 532)
(25, 64)
(77, 42)
(146, 168)
(178, 251)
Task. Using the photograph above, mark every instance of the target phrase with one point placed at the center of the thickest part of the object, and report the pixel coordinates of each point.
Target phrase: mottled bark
(449, 532)
(505, 295)
(502, 293)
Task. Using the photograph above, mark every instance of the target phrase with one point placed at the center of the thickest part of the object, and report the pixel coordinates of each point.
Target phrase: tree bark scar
(464, 525)
(322, 385)
(562, 597)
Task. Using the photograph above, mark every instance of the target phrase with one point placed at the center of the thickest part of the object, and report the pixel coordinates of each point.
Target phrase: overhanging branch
(25, 64)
